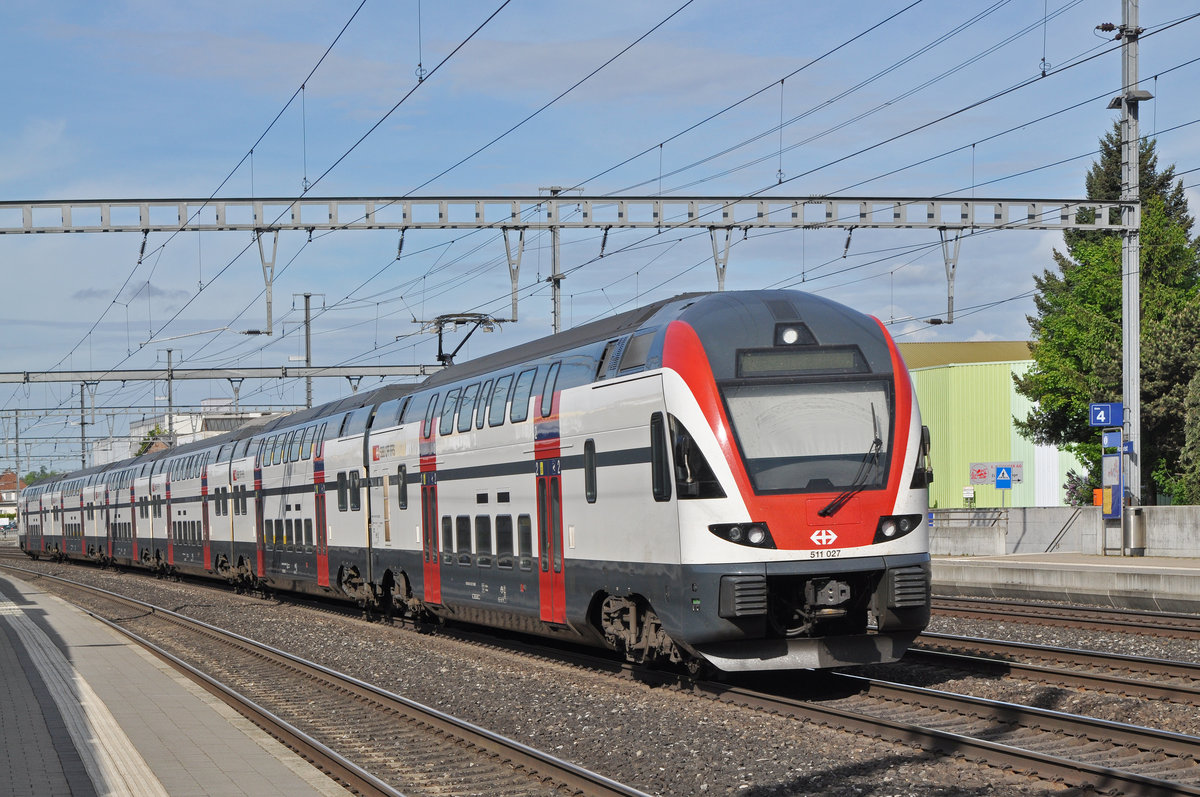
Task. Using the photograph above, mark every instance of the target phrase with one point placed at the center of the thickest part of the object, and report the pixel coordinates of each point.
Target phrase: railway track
(1131, 676)
(1080, 751)
(1175, 626)
(370, 740)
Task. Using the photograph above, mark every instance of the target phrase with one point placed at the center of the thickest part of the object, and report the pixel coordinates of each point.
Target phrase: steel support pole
(1131, 315)
(82, 429)
(308, 348)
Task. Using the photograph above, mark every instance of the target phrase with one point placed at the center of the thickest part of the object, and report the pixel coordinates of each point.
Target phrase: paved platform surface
(1165, 584)
(84, 711)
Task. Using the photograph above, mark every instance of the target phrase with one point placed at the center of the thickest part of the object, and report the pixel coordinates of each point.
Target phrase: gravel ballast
(659, 740)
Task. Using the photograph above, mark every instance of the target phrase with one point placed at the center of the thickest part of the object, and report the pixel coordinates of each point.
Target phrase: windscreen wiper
(860, 478)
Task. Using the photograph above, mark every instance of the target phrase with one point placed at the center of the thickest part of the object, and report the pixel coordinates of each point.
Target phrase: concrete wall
(1170, 531)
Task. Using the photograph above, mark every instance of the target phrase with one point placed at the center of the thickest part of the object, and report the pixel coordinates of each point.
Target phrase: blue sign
(1110, 439)
(1106, 414)
(1003, 479)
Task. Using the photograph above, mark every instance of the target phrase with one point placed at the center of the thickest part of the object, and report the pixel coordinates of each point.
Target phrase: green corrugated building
(968, 401)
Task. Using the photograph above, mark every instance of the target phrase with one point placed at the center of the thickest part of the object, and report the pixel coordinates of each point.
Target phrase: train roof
(541, 348)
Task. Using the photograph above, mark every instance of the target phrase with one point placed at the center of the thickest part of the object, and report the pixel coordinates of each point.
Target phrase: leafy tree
(152, 437)
(1077, 330)
(35, 476)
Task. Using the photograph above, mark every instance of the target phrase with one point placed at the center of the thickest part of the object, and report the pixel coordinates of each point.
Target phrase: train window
(543, 524)
(636, 352)
(355, 492)
(294, 451)
(430, 411)
(660, 466)
(481, 403)
(466, 407)
(275, 451)
(694, 477)
(462, 528)
(319, 441)
(288, 528)
(306, 443)
(589, 470)
(521, 395)
(402, 486)
(308, 534)
(447, 539)
(499, 401)
(548, 389)
(483, 540)
(356, 422)
(387, 416)
(343, 502)
(525, 541)
(504, 541)
(556, 521)
(447, 424)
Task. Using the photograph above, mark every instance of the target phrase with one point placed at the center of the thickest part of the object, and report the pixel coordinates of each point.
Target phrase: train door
(431, 562)
(551, 582)
(552, 593)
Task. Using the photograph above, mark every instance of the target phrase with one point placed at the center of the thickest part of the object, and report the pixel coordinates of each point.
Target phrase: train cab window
(308, 534)
(466, 407)
(462, 528)
(402, 486)
(306, 444)
(660, 466)
(504, 541)
(525, 541)
(447, 539)
(343, 492)
(481, 403)
(521, 394)
(499, 401)
(548, 389)
(355, 492)
(589, 470)
(635, 353)
(430, 411)
(483, 540)
(294, 449)
(447, 423)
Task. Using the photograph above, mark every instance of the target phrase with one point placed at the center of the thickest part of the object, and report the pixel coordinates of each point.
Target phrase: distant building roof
(932, 354)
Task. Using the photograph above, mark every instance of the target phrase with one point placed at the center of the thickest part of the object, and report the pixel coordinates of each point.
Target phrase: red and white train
(738, 478)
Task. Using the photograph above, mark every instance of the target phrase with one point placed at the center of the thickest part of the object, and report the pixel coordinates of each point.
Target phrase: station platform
(85, 711)
(1163, 584)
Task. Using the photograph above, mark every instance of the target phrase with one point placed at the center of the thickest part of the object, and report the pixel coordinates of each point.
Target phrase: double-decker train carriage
(738, 478)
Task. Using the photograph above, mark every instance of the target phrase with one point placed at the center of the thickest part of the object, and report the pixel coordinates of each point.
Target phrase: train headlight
(893, 527)
(754, 535)
(790, 336)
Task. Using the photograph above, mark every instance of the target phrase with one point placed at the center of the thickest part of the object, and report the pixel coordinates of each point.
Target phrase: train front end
(802, 478)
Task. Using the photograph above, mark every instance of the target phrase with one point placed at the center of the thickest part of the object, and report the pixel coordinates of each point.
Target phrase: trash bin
(1137, 532)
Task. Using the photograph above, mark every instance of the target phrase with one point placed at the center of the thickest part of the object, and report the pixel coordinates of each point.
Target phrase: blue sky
(150, 99)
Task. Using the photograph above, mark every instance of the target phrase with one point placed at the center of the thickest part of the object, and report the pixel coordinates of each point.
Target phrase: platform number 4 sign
(1112, 414)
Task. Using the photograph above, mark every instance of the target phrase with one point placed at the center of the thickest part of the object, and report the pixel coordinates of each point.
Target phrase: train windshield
(810, 437)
